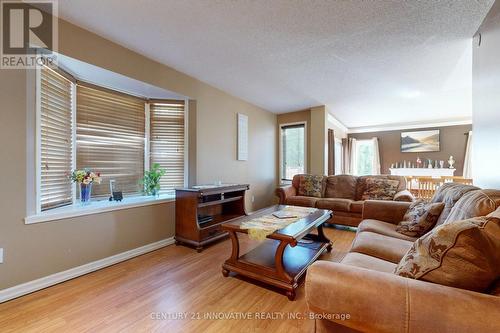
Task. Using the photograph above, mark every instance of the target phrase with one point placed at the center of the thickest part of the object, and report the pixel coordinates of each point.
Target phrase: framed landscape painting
(420, 141)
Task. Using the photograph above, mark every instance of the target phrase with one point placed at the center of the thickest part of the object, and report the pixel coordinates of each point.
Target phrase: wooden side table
(200, 212)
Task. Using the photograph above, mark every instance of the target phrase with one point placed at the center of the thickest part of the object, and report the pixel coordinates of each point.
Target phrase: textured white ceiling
(372, 62)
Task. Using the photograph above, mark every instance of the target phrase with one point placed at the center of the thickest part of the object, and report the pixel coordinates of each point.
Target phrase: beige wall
(486, 102)
(34, 251)
(319, 141)
(453, 142)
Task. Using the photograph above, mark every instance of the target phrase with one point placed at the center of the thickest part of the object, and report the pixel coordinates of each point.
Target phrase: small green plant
(151, 180)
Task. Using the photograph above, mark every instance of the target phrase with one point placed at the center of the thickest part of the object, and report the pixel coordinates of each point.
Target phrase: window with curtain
(167, 141)
(110, 138)
(292, 151)
(55, 140)
(338, 156)
(364, 158)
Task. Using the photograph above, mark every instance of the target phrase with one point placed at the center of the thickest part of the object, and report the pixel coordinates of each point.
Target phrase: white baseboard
(47, 281)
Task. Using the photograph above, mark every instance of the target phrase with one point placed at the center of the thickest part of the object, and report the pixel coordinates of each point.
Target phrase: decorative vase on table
(85, 178)
(85, 192)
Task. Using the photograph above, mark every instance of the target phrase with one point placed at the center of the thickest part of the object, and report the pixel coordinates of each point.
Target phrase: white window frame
(280, 149)
(38, 141)
(96, 206)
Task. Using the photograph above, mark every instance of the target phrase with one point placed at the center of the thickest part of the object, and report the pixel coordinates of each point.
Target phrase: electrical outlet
(1, 255)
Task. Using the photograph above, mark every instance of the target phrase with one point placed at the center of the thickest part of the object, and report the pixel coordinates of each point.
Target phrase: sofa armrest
(285, 192)
(405, 196)
(384, 302)
(387, 211)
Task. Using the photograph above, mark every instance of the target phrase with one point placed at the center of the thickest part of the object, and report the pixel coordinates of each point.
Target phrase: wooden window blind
(167, 142)
(110, 138)
(56, 133)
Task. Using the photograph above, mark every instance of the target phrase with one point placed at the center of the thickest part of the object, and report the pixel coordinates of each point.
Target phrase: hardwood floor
(148, 294)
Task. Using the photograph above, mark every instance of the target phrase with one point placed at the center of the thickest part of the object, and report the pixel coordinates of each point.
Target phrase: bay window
(110, 138)
(81, 125)
(55, 121)
(166, 141)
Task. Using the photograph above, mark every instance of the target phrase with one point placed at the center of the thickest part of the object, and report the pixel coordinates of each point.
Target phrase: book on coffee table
(283, 214)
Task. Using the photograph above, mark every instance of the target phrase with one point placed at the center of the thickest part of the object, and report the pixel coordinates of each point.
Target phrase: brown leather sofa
(363, 285)
(340, 194)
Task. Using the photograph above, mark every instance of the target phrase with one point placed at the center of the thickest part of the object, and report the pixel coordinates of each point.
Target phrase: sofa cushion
(473, 204)
(357, 206)
(380, 189)
(334, 204)
(383, 228)
(311, 186)
(361, 184)
(341, 186)
(420, 218)
(381, 246)
(463, 254)
(301, 201)
(364, 261)
(449, 194)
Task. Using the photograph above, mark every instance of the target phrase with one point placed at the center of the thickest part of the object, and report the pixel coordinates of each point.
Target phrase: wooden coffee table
(282, 259)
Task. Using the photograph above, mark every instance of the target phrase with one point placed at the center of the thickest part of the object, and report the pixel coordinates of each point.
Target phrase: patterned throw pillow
(462, 254)
(380, 189)
(311, 186)
(420, 218)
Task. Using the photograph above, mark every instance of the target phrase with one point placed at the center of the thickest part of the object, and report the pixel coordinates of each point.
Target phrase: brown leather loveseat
(364, 286)
(341, 194)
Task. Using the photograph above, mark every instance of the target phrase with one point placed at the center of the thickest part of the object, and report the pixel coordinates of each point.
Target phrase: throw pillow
(420, 218)
(463, 254)
(311, 186)
(380, 189)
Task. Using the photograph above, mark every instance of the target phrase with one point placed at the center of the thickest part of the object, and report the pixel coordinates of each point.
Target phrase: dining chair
(427, 186)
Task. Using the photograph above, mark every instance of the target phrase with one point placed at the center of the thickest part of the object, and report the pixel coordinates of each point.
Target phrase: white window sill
(96, 207)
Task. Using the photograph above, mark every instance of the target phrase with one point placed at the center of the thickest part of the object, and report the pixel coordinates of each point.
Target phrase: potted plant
(85, 178)
(151, 180)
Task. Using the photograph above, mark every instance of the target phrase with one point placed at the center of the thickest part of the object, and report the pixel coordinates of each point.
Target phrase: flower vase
(85, 191)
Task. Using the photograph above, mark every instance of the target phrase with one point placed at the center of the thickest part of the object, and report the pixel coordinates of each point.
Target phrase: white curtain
(353, 158)
(376, 157)
(349, 159)
(468, 158)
